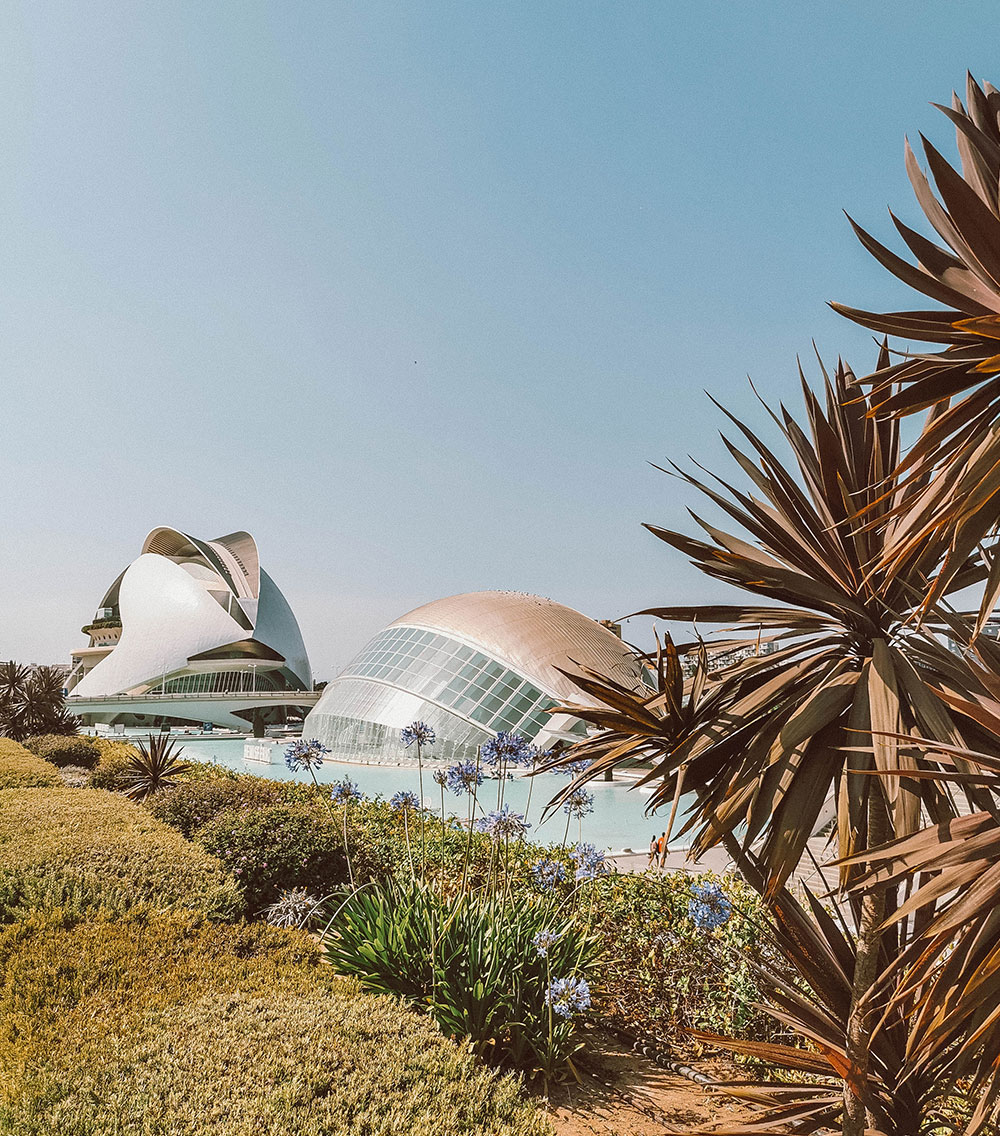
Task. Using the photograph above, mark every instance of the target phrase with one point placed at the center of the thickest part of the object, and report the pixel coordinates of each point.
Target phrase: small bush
(65, 750)
(139, 1027)
(111, 771)
(275, 847)
(663, 973)
(20, 769)
(96, 851)
(195, 802)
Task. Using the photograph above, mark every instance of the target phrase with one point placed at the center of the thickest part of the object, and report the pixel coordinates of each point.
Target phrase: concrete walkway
(715, 860)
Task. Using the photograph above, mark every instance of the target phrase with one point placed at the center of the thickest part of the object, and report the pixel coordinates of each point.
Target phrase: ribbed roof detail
(533, 635)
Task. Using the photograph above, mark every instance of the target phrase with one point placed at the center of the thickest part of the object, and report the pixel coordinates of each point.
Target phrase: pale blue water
(617, 821)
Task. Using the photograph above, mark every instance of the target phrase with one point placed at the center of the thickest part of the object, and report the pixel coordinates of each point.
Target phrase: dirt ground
(628, 1095)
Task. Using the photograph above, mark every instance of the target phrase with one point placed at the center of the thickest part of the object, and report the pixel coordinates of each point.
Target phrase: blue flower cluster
(440, 776)
(709, 906)
(548, 873)
(507, 749)
(403, 800)
(465, 777)
(345, 792)
(579, 803)
(543, 940)
(568, 996)
(590, 863)
(305, 755)
(572, 768)
(502, 824)
(418, 732)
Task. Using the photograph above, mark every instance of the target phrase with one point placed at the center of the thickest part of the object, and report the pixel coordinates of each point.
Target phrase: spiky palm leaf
(155, 767)
(655, 727)
(948, 977)
(776, 738)
(805, 975)
(962, 441)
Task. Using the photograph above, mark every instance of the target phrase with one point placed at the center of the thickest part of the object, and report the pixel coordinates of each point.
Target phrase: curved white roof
(533, 635)
(183, 597)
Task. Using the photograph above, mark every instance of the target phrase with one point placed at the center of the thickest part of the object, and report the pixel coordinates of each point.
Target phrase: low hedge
(95, 850)
(65, 749)
(20, 769)
(154, 1026)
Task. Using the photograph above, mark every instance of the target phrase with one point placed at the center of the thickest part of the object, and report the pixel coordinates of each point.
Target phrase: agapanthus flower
(568, 996)
(502, 824)
(548, 873)
(507, 749)
(464, 777)
(545, 939)
(345, 792)
(418, 732)
(572, 768)
(709, 906)
(579, 803)
(404, 799)
(295, 907)
(440, 776)
(590, 863)
(302, 754)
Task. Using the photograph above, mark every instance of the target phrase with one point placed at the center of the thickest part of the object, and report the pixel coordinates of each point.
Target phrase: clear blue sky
(414, 292)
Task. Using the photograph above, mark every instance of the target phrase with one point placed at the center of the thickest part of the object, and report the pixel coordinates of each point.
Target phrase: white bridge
(219, 709)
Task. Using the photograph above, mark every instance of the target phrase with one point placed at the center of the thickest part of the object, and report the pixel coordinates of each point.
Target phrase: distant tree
(32, 702)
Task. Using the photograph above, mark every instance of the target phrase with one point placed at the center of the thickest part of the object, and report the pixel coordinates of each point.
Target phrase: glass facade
(457, 676)
(217, 682)
(408, 673)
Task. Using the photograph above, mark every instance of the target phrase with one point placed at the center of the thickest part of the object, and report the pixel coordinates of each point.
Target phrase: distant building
(192, 631)
(719, 657)
(470, 666)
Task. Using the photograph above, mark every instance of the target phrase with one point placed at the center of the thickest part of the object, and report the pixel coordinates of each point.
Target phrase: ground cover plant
(155, 1024)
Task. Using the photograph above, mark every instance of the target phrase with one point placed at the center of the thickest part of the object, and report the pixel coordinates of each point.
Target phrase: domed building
(470, 666)
(192, 631)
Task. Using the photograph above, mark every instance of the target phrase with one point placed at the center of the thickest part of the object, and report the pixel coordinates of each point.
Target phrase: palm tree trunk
(860, 1018)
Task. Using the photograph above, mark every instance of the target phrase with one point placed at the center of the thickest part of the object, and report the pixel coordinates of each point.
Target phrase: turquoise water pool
(617, 821)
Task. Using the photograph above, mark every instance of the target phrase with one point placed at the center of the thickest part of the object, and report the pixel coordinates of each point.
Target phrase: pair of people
(658, 851)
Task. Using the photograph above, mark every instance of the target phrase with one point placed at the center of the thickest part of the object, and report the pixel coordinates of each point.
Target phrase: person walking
(654, 852)
(664, 849)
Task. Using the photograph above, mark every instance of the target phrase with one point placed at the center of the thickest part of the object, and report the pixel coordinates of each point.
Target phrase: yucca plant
(947, 979)
(806, 979)
(848, 658)
(156, 766)
(961, 440)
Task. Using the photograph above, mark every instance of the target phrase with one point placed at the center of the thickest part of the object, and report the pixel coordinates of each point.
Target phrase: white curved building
(191, 621)
(470, 666)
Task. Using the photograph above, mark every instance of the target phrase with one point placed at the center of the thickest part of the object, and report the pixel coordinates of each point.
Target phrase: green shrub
(94, 850)
(154, 1026)
(274, 847)
(194, 802)
(20, 769)
(69, 749)
(473, 960)
(114, 759)
(662, 974)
